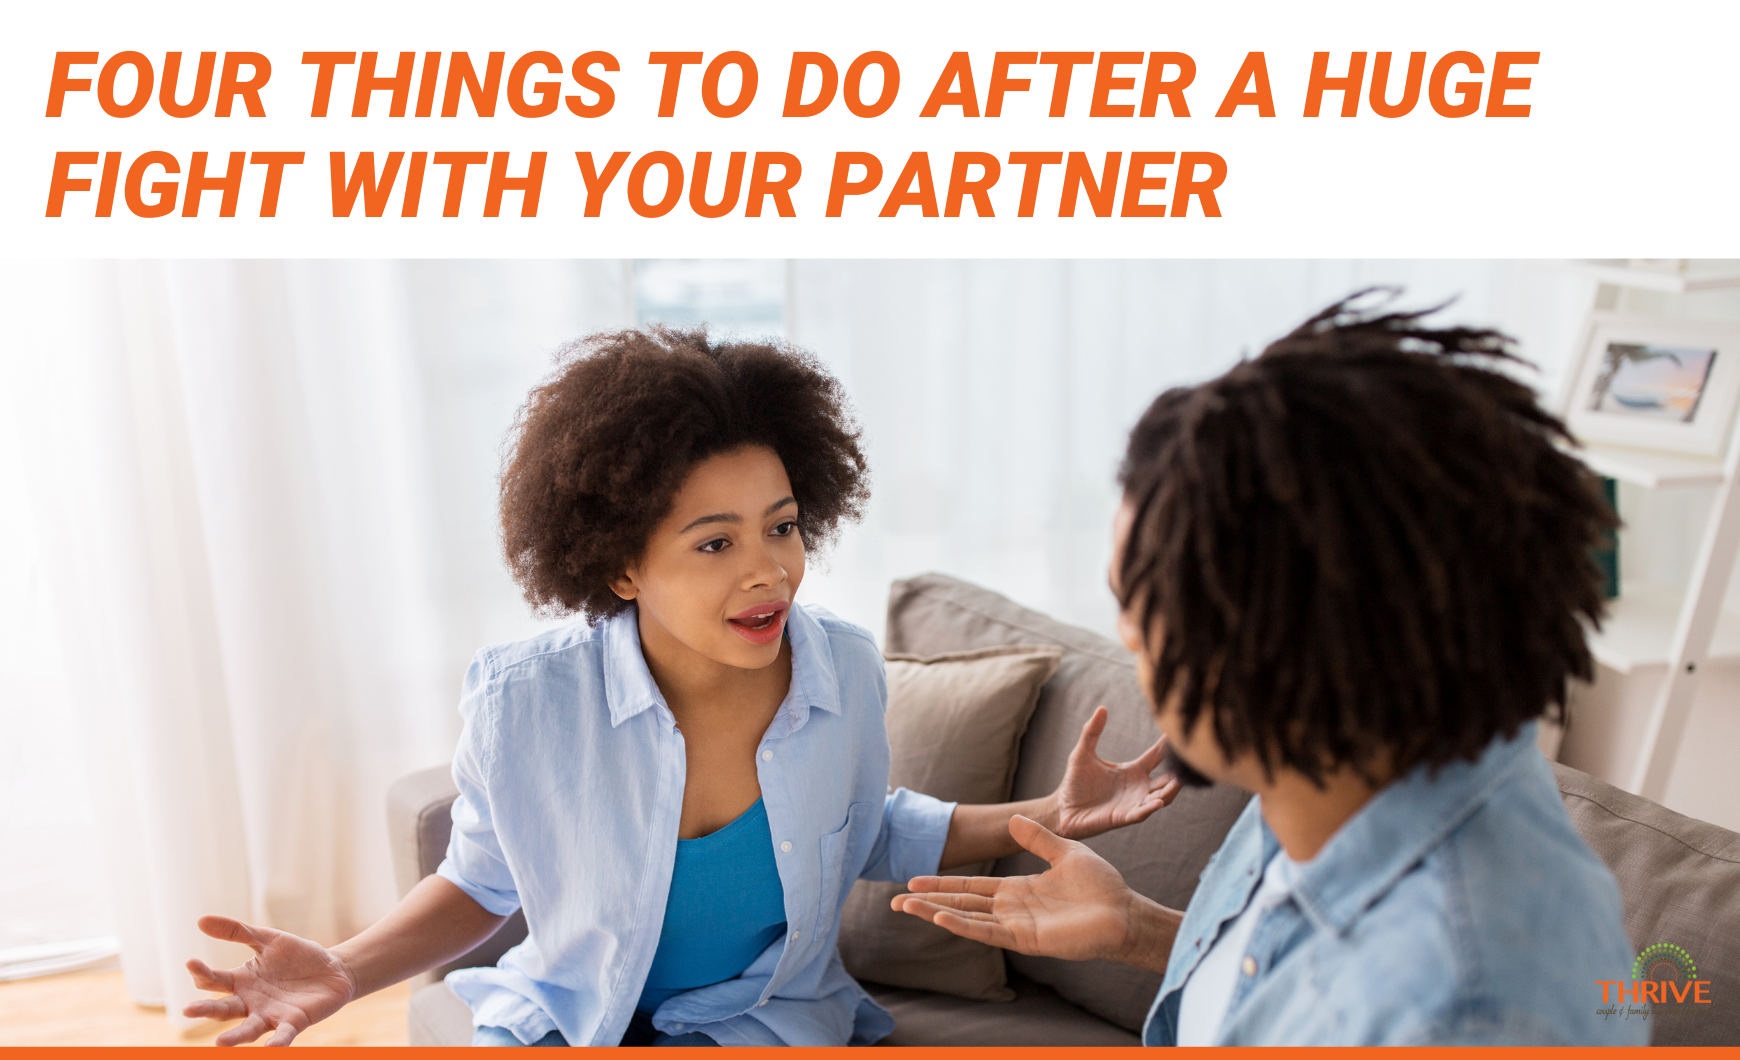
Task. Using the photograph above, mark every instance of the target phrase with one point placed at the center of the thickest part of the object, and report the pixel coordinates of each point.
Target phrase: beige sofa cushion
(1680, 879)
(1161, 857)
(955, 723)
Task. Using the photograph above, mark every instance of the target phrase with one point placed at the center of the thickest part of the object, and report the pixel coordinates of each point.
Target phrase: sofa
(1680, 878)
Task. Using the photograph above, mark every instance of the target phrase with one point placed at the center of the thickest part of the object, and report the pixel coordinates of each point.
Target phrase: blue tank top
(726, 905)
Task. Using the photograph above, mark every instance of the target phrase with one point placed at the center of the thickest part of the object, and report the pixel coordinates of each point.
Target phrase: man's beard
(1178, 767)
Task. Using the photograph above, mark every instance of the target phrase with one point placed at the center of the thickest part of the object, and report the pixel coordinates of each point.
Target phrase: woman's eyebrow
(733, 517)
(720, 517)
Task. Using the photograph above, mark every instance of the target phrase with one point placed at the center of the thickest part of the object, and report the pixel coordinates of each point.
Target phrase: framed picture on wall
(1656, 383)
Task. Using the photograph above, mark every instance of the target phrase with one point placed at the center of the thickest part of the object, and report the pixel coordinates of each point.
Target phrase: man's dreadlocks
(1365, 547)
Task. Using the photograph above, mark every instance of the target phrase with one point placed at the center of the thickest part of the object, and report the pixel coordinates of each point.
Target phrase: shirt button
(761, 1004)
(785, 846)
(1249, 967)
(767, 756)
(794, 936)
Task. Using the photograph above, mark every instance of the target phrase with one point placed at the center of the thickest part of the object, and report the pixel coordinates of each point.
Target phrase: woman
(680, 790)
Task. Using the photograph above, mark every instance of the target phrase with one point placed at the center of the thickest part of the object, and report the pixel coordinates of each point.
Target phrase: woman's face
(721, 569)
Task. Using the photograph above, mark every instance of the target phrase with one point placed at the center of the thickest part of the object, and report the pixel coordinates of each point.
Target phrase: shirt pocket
(839, 865)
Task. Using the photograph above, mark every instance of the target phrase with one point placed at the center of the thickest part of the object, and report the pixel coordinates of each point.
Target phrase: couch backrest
(1680, 879)
(1161, 857)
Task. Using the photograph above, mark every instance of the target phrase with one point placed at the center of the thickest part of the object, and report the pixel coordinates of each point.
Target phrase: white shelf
(1620, 272)
(1654, 470)
(1639, 630)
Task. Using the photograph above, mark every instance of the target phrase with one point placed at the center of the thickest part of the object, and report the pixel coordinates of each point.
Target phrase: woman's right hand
(288, 985)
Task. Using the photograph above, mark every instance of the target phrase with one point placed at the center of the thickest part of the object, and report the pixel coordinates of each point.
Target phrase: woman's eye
(786, 528)
(716, 545)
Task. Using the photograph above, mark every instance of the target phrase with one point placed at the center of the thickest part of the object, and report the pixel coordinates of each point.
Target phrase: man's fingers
(980, 927)
(243, 1032)
(1150, 758)
(285, 1035)
(913, 905)
(217, 1008)
(977, 903)
(926, 911)
(986, 931)
(222, 927)
(208, 978)
(986, 885)
(1037, 838)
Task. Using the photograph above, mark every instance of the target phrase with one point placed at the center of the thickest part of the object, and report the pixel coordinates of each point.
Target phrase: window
(739, 297)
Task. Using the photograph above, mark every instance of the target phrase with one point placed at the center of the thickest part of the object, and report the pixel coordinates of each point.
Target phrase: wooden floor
(92, 1008)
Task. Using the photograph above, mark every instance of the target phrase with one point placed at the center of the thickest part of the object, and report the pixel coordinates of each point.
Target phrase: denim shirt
(1460, 909)
(570, 771)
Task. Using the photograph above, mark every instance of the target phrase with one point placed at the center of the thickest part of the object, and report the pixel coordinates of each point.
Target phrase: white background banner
(1627, 148)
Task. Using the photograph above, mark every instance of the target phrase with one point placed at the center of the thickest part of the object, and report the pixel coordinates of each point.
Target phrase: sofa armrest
(419, 822)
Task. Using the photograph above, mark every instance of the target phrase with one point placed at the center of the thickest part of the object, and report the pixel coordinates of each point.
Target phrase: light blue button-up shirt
(1460, 909)
(570, 770)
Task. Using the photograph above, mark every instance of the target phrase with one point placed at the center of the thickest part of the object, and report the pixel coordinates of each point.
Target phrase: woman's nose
(763, 569)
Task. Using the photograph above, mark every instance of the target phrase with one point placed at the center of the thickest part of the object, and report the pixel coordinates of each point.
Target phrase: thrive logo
(1663, 974)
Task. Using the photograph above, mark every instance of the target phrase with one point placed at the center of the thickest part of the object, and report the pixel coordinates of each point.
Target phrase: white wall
(996, 395)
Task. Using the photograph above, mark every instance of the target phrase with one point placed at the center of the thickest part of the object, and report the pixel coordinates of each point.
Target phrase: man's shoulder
(1526, 880)
(1501, 932)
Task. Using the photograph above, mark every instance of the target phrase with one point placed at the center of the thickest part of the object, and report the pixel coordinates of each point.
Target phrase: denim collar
(629, 687)
(1393, 832)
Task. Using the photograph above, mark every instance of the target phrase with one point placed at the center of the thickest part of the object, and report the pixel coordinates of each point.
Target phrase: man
(1354, 571)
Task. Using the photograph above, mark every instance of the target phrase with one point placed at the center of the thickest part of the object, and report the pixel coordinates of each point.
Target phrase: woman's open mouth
(761, 624)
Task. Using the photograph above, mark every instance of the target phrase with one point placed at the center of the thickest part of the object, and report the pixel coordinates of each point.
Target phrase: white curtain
(263, 494)
(239, 503)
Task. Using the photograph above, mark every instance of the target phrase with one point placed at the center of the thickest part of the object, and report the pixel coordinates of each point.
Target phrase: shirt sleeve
(910, 842)
(474, 862)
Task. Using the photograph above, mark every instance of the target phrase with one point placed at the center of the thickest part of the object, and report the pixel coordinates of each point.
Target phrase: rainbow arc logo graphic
(1663, 974)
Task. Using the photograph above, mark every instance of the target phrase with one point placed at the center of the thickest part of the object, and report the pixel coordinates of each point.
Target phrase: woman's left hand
(1097, 796)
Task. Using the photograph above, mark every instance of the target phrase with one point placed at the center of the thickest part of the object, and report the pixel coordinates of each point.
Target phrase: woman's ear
(624, 586)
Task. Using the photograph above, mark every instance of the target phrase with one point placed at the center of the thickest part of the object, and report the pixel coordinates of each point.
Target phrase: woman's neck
(695, 684)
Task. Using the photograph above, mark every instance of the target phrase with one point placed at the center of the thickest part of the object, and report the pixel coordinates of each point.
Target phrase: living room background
(247, 530)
